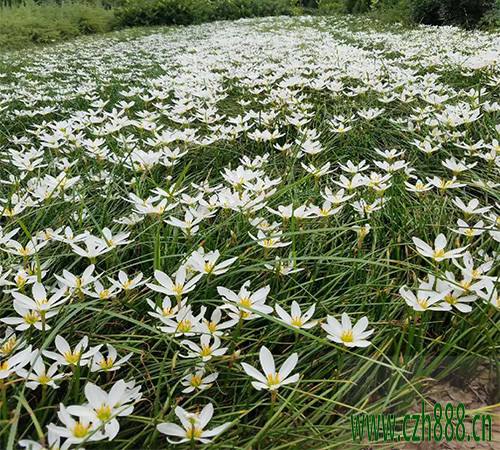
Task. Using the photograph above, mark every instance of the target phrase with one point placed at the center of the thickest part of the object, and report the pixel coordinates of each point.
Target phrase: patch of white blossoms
(119, 122)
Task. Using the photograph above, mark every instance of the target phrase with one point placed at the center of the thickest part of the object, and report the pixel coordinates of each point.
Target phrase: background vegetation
(466, 13)
(24, 22)
(30, 22)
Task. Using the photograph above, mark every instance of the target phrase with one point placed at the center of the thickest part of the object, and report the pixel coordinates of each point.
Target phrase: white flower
(183, 323)
(74, 282)
(297, 319)
(466, 230)
(206, 263)
(454, 294)
(471, 207)
(94, 247)
(66, 356)
(192, 426)
(337, 198)
(425, 299)
(356, 181)
(16, 362)
(109, 363)
(205, 350)
(245, 303)
(468, 270)
(325, 210)
(29, 318)
(99, 291)
(269, 242)
(353, 169)
(270, 378)
(438, 253)
(197, 381)
(125, 283)
(104, 408)
(289, 211)
(40, 302)
(444, 184)
(10, 343)
(113, 240)
(178, 288)
(362, 231)
(166, 310)
(283, 267)
(418, 187)
(38, 375)
(345, 333)
(214, 325)
(32, 247)
(75, 431)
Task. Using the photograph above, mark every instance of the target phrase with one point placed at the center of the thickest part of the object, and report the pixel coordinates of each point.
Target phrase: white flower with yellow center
(425, 299)
(75, 431)
(177, 288)
(104, 408)
(245, 304)
(38, 375)
(438, 253)
(183, 323)
(271, 379)
(296, 318)
(206, 350)
(265, 241)
(40, 301)
(110, 363)
(16, 362)
(197, 381)
(126, 283)
(67, 356)
(193, 425)
(345, 333)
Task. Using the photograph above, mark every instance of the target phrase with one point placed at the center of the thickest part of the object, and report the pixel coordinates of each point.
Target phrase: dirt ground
(475, 395)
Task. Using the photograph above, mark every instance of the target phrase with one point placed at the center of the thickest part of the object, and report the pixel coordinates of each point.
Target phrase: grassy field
(177, 203)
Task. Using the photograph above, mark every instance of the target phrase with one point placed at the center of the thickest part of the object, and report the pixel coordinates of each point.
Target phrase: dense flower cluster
(139, 176)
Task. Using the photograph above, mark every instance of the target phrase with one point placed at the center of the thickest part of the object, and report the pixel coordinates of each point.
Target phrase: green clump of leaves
(33, 23)
(185, 12)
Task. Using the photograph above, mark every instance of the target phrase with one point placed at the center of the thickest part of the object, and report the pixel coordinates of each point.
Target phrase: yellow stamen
(206, 350)
(107, 363)
(9, 346)
(81, 430)
(451, 300)
(44, 379)
(193, 433)
(195, 380)
(347, 336)
(273, 379)
(423, 303)
(103, 413)
(184, 326)
(31, 318)
(439, 253)
(72, 357)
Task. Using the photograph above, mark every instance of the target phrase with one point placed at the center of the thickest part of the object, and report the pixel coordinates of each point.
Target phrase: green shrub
(183, 12)
(467, 13)
(391, 11)
(426, 12)
(357, 6)
(331, 6)
(492, 17)
(34, 23)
